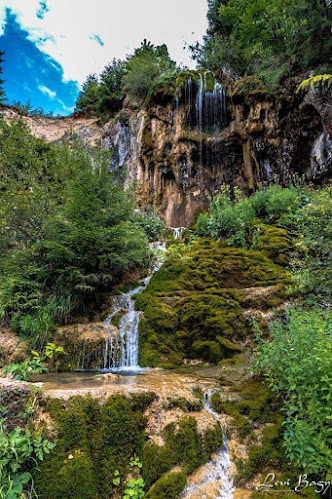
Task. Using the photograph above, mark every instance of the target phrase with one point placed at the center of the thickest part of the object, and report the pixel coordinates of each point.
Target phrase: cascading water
(217, 470)
(178, 232)
(121, 350)
(205, 102)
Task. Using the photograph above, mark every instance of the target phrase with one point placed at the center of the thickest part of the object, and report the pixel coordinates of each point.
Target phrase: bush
(235, 220)
(297, 363)
(152, 225)
(64, 240)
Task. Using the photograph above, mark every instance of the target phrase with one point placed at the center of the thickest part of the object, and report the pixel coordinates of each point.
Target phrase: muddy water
(163, 383)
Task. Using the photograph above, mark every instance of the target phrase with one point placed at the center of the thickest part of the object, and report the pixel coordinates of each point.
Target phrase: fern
(315, 81)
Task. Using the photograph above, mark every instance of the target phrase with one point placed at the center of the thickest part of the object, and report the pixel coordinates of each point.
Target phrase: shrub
(18, 450)
(235, 220)
(297, 364)
(152, 225)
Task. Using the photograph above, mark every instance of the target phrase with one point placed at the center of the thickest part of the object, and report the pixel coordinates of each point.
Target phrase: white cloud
(66, 32)
(47, 91)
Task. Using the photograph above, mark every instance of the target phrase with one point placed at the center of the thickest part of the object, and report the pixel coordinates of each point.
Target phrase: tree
(111, 89)
(144, 67)
(2, 92)
(267, 37)
(89, 96)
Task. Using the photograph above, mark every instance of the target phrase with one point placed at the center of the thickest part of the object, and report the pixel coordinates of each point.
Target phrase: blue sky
(52, 45)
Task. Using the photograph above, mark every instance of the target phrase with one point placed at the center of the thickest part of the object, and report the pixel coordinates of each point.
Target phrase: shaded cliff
(188, 141)
(192, 135)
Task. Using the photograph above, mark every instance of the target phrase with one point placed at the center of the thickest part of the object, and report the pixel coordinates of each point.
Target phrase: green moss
(184, 447)
(274, 243)
(93, 440)
(117, 318)
(193, 307)
(185, 405)
(169, 486)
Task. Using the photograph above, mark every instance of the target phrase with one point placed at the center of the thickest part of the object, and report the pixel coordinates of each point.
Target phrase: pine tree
(2, 92)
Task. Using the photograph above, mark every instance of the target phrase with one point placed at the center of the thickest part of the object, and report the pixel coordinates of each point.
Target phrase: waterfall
(178, 232)
(121, 350)
(199, 110)
(217, 470)
(205, 102)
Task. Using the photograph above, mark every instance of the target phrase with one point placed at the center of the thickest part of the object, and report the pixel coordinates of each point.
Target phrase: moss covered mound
(169, 486)
(193, 307)
(94, 439)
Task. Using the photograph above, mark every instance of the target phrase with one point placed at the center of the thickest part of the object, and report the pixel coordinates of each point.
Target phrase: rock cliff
(181, 148)
(185, 142)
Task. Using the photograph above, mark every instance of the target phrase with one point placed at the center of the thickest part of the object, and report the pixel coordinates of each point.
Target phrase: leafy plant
(297, 364)
(36, 365)
(315, 81)
(18, 451)
(135, 486)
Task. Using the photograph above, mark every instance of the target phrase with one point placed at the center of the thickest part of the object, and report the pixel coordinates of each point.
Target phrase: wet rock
(84, 345)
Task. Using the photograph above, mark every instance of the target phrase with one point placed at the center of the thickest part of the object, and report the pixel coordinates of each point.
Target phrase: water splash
(121, 349)
(178, 233)
(217, 470)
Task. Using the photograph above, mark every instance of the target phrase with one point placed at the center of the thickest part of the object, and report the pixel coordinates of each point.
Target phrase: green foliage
(267, 38)
(297, 363)
(235, 218)
(143, 68)
(152, 225)
(316, 81)
(148, 68)
(18, 451)
(36, 365)
(103, 96)
(23, 370)
(169, 486)
(312, 264)
(96, 442)
(65, 238)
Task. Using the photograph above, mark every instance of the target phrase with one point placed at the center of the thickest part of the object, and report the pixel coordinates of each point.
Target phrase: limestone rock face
(56, 129)
(179, 149)
(178, 161)
(84, 345)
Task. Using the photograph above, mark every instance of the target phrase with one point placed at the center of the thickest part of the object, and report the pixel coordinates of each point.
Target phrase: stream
(121, 373)
(121, 350)
(215, 478)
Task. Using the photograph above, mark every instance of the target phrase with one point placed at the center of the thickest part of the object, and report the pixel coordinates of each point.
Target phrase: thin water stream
(121, 349)
(216, 475)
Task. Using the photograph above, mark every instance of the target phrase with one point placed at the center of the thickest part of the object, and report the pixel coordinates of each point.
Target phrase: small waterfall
(199, 110)
(205, 102)
(121, 350)
(217, 471)
(178, 232)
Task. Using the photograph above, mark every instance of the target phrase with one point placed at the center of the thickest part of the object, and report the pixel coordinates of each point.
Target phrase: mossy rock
(247, 86)
(193, 307)
(169, 486)
(93, 440)
(275, 243)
